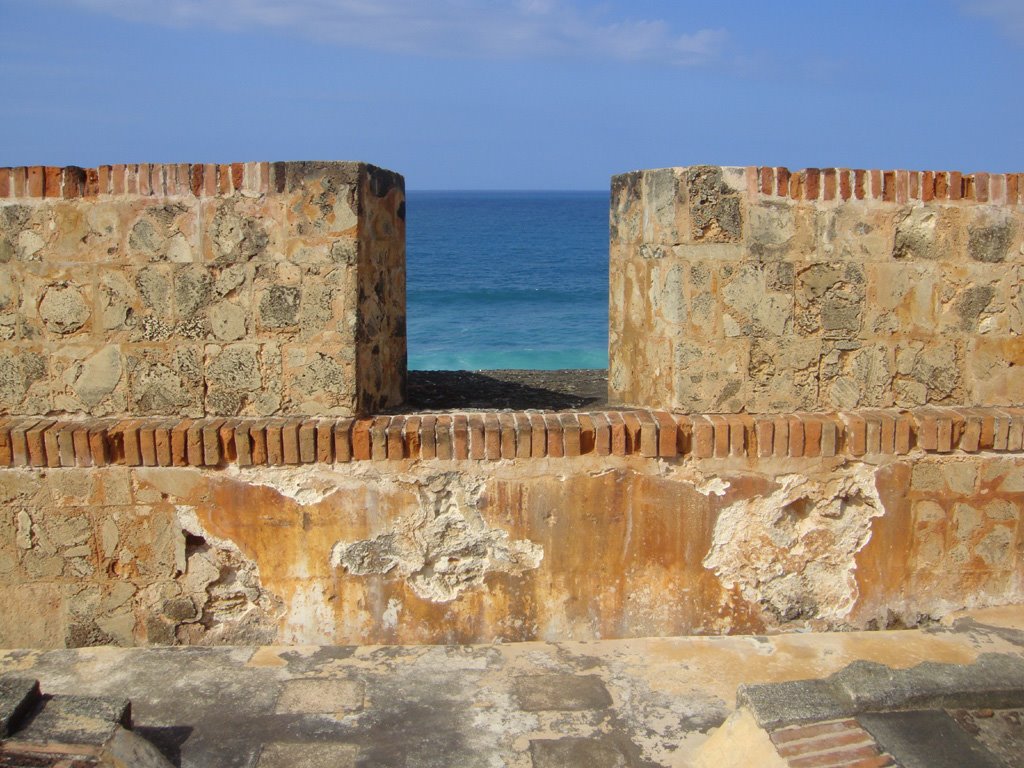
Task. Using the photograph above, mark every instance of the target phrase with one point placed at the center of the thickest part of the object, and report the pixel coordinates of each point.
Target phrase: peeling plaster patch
(303, 485)
(390, 616)
(309, 618)
(794, 551)
(701, 482)
(443, 549)
(714, 485)
(225, 585)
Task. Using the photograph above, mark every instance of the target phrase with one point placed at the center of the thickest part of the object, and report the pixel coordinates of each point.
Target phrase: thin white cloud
(442, 28)
(1008, 14)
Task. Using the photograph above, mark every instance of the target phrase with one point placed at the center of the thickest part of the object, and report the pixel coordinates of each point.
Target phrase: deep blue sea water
(507, 280)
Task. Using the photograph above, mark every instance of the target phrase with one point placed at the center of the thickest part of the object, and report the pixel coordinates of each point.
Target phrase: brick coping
(195, 180)
(490, 436)
(212, 179)
(891, 186)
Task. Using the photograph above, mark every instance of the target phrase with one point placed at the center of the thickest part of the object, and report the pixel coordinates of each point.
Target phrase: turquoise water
(507, 280)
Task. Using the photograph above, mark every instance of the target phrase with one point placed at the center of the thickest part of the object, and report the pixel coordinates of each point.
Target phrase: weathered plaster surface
(424, 551)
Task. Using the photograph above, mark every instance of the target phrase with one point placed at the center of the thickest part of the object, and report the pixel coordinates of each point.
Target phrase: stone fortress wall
(254, 289)
(284, 510)
(762, 290)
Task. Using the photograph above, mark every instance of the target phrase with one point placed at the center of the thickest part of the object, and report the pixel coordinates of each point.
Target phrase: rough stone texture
(458, 705)
(727, 295)
(993, 680)
(285, 295)
(587, 547)
(18, 695)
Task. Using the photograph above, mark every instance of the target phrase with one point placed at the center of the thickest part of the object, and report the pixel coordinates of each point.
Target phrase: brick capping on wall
(144, 179)
(212, 179)
(212, 442)
(895, 186)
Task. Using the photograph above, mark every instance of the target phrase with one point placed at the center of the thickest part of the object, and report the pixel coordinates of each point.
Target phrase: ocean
(507, 280)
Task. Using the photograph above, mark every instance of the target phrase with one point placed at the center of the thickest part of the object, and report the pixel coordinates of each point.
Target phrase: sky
(534, 94)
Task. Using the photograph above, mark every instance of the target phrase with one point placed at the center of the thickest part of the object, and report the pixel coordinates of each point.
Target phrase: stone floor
(518, 390)
(637, 703)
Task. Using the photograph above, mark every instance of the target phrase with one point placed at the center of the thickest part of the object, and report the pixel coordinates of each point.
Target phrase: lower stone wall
(427, 550)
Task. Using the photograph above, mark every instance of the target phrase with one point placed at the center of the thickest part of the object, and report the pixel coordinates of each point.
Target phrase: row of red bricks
(44, 442)
(831, 744)
(889, 186)
(143, 179)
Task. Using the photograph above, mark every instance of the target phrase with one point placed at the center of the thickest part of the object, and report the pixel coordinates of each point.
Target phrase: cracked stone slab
(17, 697)
(538, 693)
(320, 696)
(76, 720)
(281, 754)
(576, 752)
(994, 680)
(926, 739)
(778, 704)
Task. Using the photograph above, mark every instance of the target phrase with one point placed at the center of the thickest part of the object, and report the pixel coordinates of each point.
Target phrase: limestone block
(714, 206)
(703, 287)
(928, 373)
(855, 375)
(773, 232)
(57, 302)
(711, 379)
(854, 232)
(56, 543)
(80, 232)
(784, 374)
(24, 379)
(165, 380)
(10, 302)
(757, 299)
(99, 614)
(9, 554)
(18, 488)
(241, 229)
(666, 293)
(830, 299)
(934, 233)
(242, 379)
(990, 233)
(626, 208)
(277, 296)
(318, 381)
(901, 298)
(21, 237)
(974, 300)
(40, 627)
(138, 542)
(994, 369)
(162, 232)
(664, 220)
(89, 378)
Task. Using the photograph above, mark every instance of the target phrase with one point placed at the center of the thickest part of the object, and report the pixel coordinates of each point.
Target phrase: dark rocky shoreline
(507, 389)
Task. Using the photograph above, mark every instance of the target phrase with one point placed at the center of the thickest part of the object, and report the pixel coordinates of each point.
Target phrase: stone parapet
(764, 290)
(251, 289)
(363, 531)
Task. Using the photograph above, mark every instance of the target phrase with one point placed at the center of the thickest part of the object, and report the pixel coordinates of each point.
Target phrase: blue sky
(537, 94)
